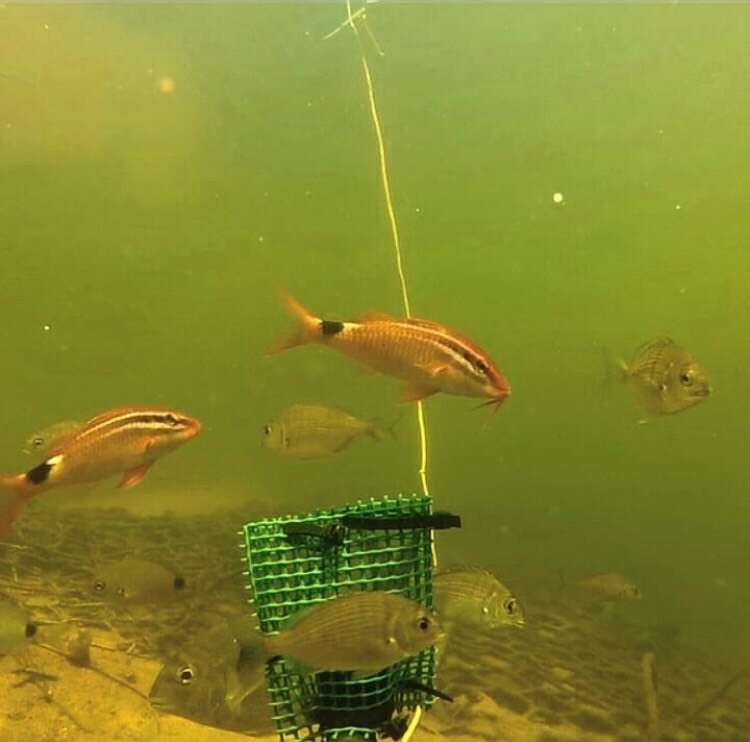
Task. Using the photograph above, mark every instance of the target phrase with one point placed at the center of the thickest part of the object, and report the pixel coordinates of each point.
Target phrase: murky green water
(166, 169)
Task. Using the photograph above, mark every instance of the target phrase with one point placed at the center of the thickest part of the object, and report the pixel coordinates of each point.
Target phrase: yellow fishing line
(396, 239)
(416, 717)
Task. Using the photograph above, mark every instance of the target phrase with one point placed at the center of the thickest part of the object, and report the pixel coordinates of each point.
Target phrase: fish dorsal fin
(428, 323)
(458, 568)
(658, 342)
(376, 317)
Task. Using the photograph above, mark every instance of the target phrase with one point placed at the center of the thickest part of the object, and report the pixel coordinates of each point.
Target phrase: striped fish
(359, 632)
(427, 356)
(123, 441)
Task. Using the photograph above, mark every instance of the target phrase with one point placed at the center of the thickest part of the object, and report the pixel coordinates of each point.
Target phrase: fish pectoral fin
(416, 392)
(132, 477)
(436, 369)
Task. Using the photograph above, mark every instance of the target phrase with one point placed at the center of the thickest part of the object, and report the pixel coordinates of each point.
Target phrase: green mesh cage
(288, 572)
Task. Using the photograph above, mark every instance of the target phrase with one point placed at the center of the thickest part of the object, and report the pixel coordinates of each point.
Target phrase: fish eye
(99, 585)
(482, 367)
(686, 378)
(171, 419)
(37, 442)
(267, 429)
(424, 623)
(510, 606)
(185, 675)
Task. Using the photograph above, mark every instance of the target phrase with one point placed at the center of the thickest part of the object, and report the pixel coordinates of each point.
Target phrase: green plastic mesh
(285, 575)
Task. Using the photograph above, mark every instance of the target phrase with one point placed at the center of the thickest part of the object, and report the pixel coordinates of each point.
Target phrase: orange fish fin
(132, 477)
(435, 369)
(13, 499)
(430, 324)
(308, 330)
(376, 317)
(415, 392)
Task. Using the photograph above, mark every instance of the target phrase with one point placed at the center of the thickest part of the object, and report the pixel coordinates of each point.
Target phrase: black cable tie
(438, 521)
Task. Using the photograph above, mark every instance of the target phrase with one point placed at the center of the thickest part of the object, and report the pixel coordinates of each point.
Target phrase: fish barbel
(123, 441)
(426, 355)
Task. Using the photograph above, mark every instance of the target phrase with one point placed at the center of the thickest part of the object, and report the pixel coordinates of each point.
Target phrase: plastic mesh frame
(286, 575)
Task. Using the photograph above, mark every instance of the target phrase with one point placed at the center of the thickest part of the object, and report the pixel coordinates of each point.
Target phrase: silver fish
(15, 627)
(475, 596)
(609, 586)
(137, 581)
(665, 378)
(360, 632)
(306, 431)
(210, 678)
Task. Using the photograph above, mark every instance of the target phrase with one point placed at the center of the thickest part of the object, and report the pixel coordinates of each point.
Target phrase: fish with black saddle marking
(427, 356)
(124, 441)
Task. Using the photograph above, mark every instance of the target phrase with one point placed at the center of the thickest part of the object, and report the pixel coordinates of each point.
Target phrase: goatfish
(665, 378)
(427, 356)
(125, 441)
(305, 431)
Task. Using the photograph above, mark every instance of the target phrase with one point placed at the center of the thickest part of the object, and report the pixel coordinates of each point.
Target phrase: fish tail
(378, 432)
(17, 495)
(308, 329)
(615, 370)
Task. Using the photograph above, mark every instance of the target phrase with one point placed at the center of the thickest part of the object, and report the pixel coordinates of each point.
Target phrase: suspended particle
(558, 198)
(165, 85)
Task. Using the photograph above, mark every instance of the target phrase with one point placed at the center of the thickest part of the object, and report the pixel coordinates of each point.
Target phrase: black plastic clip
(438, 521)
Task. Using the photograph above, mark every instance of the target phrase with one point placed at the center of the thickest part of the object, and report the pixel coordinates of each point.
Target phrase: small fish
(477, 597)
(123, 441)
(665, 378)
(210, 678)
(37, 444)
(15, 627)
(305, 431)
(361, 632)
(427, 356)
(137, 581)
(609, 587)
